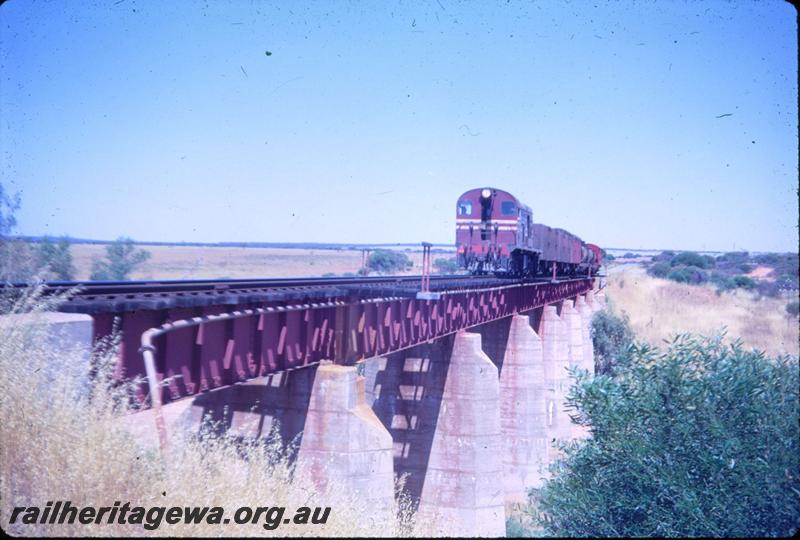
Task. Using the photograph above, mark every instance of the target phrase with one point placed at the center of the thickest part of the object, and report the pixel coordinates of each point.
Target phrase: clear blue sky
(168, 120)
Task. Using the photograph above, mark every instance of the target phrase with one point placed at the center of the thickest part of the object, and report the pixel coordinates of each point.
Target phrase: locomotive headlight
(486, 193)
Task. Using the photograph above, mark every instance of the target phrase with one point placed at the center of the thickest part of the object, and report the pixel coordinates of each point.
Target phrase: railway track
(115, 296)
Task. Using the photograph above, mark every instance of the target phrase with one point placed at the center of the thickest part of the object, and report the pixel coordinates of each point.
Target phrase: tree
(56, 259)
(122, 258)
(446, 266)
(699, 440)
(8, 206)
(386, 262)
(15, 257)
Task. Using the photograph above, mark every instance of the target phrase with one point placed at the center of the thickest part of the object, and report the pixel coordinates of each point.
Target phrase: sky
(667, 124)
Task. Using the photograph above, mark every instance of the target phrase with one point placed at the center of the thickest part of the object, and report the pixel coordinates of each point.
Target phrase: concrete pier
(522, 411)
(345, 443)
(585, 312)
(555, 357)
(463, 490)
(574, 326)
(591, 301)
(67, 335)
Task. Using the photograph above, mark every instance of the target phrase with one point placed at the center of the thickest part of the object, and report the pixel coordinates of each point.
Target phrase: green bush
(55, 259)
(664, 256)
(659, 269)
(744, 282)
(611, 336)
(690, 258)
(793, 308)
(734, 257)
(688, 274)
(387, 262)
(699, 440)
(446, 266)
(723, 282)
(782, 284)
(122, 258)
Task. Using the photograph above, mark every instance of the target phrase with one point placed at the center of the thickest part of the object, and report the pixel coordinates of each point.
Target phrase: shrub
(659, 269)
(699, 440)
(55, 259)
(690, 258)
(611, 336)
(664, 256)
(386, 261)
(787, 282)
(734, 257)
(688, 274)
(629, 255)
(744, 282)
(746, 268)
(122, 258)
(793, 308)
(446, 266)
(782, 284)
(770, 259)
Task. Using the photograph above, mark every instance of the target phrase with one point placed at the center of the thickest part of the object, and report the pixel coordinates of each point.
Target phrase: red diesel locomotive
(495, 233)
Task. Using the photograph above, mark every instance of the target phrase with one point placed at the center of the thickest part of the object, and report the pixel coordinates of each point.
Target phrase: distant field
(659, 308)
(199, 262)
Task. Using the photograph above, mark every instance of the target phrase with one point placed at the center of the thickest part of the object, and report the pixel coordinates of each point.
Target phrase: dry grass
(57, 444)
(192, 262)
(659, 308)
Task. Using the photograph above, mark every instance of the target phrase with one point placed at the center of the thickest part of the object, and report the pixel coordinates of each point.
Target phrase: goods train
(495, 233)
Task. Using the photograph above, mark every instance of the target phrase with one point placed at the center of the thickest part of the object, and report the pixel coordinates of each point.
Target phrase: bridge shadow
(263, 407)
(406, 389)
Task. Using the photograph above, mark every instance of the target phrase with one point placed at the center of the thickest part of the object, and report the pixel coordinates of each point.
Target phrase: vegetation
(793, 308)
(122, 258)
(19, 261)
(388, 262)
(15, 260)
(689, 258)
(611, 336)
(688, 274)
(699, 440)
(55, 259)
(446, 266)
(58, 444)
(659, 308)
(727, 271)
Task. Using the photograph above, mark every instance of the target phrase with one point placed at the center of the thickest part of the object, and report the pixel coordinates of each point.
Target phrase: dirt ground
(200, 262)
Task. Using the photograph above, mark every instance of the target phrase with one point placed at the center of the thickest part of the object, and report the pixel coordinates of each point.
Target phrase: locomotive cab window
(508, 208)
(464, 208)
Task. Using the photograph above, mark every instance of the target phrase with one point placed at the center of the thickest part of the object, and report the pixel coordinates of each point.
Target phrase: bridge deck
(287, 324)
